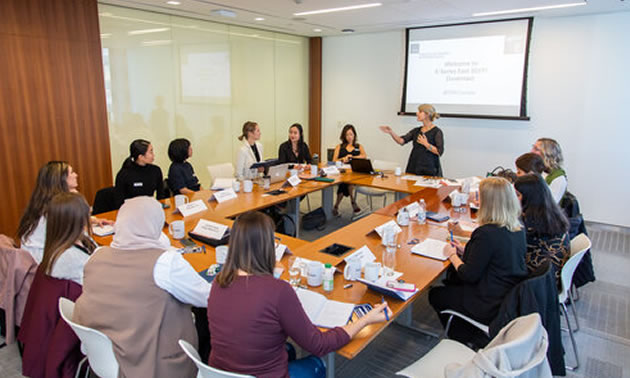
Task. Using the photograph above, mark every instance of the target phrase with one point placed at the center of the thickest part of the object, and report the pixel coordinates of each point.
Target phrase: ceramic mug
(314, 273)
(221, 253)
(352, 271)
(236, 185)
(398, 171)
(177, 229)
(372, 270)
(248, 186)
(314, 170)
(180, 199)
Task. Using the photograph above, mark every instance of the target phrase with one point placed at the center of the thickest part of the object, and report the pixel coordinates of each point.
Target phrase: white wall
(579, 94)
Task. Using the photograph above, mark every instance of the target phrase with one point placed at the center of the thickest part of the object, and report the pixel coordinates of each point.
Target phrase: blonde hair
(551, 153)
(499, 204)
(248, 127)
(429, 110)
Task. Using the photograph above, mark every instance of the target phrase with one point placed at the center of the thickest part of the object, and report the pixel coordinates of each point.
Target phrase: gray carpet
(603, 311)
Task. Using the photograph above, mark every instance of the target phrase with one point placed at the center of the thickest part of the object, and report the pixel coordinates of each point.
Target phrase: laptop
(278, 172)
(362, 166)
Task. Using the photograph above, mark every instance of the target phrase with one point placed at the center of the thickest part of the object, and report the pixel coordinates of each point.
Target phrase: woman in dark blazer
(492, 262)
(295, 150)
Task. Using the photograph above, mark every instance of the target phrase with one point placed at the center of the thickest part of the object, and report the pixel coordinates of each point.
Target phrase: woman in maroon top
(251, 314)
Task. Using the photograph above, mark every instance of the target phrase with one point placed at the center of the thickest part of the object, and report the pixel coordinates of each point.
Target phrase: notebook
(104, 230)
(431, 248)
(323, 312)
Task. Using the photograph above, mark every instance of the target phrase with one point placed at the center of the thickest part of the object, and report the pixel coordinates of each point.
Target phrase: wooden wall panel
(315, 97)
(52, 98)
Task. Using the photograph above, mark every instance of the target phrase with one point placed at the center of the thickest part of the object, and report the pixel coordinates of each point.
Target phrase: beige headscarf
(139, 225)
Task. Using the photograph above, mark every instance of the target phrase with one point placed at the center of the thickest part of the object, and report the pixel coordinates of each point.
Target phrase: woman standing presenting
(428, 143)
(251, 152)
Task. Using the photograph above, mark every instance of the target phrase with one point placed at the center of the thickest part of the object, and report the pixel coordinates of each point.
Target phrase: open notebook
(431, 248)
(323, 312)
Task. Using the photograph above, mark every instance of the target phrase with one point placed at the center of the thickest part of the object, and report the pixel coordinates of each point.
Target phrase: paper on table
(302, 263)
(391, 223)
(210, 229)
(380, 286)
(363, 254)
(412, 177)
(280, 250)
(431, 248)
(323, 312)
(103, 230)
(192, 208)
(428, 183)
(468, 226)
(222, 183)
(332, 170)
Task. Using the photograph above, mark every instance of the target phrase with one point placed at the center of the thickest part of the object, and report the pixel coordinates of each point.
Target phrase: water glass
(294, 272)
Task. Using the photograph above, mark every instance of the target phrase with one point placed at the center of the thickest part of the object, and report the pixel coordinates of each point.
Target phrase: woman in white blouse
(68, 243)
(251, 152)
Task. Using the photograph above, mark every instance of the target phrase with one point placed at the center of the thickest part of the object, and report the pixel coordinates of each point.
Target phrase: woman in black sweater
(295, 150)
(491, 264)
(181, 175)
(137, 176)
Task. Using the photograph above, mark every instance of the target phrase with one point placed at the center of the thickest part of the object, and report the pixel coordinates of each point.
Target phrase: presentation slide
(469, 69)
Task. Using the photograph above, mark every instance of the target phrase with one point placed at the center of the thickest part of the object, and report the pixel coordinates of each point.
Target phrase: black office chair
(166, 190)
(105, 200)
(330, 153)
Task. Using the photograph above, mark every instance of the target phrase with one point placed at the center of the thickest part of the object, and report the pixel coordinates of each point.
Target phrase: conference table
(419, 270)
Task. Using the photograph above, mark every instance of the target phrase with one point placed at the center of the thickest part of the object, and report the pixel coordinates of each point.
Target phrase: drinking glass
(389, 254)
(294, 272)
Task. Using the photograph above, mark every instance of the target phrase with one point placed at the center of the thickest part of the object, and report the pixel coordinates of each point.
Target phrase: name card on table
(191, 208)
(280, 251)
(223, 195)
(362, 254)
(294, 180)
(222, 183)
(209, 229)
(379, 230)
(332, 170)
(413, 209)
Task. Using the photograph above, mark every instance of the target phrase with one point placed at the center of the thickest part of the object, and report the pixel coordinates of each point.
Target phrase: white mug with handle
(180, 199)
(352, 271)
(177, 229)
(372, 269)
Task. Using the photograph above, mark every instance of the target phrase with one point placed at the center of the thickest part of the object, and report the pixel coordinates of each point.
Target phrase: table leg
(405, 320)
(400, 195)
(330, 365)
(327, 201)
(293, 211)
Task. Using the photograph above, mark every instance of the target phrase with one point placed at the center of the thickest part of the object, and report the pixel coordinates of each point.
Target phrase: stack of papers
(380, 286)
(412, 177)
(428, 183)
(431, 248)
(103, 230)
(323, 312)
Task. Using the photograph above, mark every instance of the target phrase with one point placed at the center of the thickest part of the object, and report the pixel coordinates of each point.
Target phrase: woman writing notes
(428, 143)
(251, 152)
(346, 150)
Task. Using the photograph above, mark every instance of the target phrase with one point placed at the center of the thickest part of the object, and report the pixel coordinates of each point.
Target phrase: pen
(477, 196)
(451, 236)
(348, 286)
(386, 315)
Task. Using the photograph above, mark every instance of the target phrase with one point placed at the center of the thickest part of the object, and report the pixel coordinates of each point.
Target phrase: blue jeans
(307, 367)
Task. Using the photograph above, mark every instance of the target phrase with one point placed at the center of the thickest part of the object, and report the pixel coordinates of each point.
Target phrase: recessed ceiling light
(317, 30)
(259, 19)
(521, 10)
(340, 9)
(173, 2)
(223, 12)
(147, 31)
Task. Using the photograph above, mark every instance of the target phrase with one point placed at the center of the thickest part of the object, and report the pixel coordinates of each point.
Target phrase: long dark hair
(251, 248)
(541, 213)
(301, 130)
(530, 163)
(66, 222)
(136, 148)
(342, 137)
(51, 179)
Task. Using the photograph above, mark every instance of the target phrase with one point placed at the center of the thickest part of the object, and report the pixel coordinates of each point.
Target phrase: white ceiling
(393, 14)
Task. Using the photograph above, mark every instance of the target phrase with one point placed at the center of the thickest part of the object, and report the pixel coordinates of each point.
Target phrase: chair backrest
(105, 200)
(223, 170)
(95, 344)
(384, 165)
(206, 371)
(579, 245)
(330, 152)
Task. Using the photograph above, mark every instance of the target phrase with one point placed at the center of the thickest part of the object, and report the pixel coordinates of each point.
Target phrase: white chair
(223, 170)
(370, 193)
(579, 245)
(518, 350)
(95, 344)
(206, 371)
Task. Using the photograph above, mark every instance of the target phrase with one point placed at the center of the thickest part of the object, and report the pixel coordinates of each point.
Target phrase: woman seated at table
(60, 274)
(251, 313)
(529, 163)
(491, 264)
(181, 175)
(428, 143)
(139, 295)
(138, 176)
(251, 152)
(554, 175)
(295, 150)
(546, 225)
(344, 152)
(53, 178)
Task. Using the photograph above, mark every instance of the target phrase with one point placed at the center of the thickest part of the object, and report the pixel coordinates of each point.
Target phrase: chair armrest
(482, 327)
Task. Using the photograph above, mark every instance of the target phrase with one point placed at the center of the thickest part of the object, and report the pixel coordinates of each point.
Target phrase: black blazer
(494, 262)
(286, 155)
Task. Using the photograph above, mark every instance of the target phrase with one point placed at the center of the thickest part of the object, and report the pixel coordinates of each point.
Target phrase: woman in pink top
(251, 313)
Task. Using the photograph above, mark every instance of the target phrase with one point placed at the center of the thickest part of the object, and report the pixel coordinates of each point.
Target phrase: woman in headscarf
(139, 295)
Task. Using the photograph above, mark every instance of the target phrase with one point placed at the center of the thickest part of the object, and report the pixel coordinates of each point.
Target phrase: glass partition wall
(170, 77)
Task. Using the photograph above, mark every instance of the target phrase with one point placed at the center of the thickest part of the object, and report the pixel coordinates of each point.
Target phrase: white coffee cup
(180, 199)
(177, 229)
(248, 186)
(221, 253)
(372, 270)
(338, 163)
(352, 271)
(398, 171)
(314, 273)
(236, 185)
(313, 170)
(293, 172)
